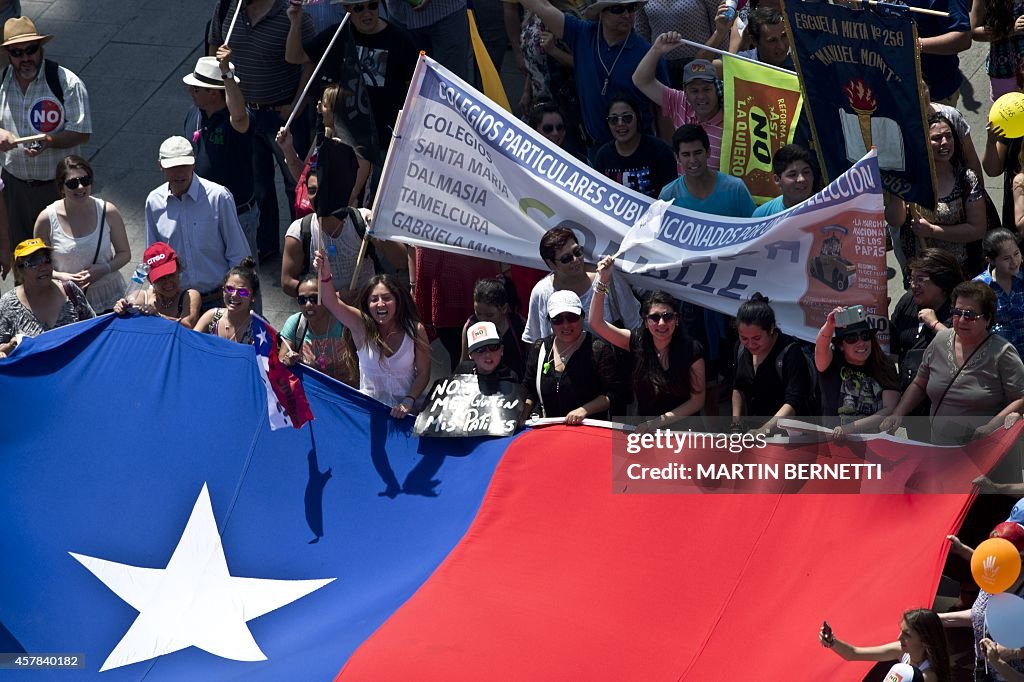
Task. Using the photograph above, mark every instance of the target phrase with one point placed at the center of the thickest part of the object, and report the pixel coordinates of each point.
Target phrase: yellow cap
(28, 247)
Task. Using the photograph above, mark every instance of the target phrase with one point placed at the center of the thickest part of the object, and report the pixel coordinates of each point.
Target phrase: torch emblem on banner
(864, 104)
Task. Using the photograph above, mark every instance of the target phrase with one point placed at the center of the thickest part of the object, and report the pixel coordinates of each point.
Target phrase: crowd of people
(620, 85)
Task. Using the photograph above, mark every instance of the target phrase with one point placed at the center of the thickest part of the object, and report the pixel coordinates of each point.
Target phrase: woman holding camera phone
(922, 644)
(858, 381)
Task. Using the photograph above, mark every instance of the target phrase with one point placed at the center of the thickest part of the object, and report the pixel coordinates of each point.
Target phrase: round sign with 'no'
(46, 116)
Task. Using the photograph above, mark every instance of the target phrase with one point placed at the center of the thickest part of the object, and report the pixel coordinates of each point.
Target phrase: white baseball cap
(564, 301)
(176, 151)
(480, 335)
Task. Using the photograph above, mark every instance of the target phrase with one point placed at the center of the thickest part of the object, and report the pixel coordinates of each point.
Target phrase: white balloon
(1004, 617)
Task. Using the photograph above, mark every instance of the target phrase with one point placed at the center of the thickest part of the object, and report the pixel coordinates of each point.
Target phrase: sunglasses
(356, 9)
(75, 183)
(493, 348)
(969, 315)
(919, 280)
(303, 300)
(244, 292)
(658, 317)
(35, 260)
(549, 128)
(613, 119)
(564, 318)
(865, 335)
(570, 257)
(622, 9)
(24, 51)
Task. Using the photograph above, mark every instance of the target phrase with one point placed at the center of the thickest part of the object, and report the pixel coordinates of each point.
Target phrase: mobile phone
(855, 313)
(826, 631)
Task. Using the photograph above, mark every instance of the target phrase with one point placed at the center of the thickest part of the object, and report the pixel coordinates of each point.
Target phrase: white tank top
(74, 254)
(387, 379)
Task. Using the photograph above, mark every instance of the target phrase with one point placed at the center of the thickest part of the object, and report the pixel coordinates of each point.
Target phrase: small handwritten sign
(467, 405)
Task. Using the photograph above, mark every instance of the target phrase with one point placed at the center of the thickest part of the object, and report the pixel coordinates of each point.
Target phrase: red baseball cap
(1008, 530)
(161, 259)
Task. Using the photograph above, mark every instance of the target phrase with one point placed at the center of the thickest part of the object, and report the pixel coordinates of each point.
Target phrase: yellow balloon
(995, 565)
(1007, 113)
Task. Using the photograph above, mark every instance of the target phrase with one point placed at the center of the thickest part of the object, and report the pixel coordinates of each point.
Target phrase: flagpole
(234, 18)
(414, 87)
(725, 53)
(312, 77)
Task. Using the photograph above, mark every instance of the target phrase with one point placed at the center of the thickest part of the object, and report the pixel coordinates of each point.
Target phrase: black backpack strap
(779, 360)
(306, 235)
(52, 73)
(357, 221)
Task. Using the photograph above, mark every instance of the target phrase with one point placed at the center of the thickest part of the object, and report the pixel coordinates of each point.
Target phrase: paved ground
(132, 55)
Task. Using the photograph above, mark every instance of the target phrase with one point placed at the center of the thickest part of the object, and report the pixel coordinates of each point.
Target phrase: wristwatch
(230, 75)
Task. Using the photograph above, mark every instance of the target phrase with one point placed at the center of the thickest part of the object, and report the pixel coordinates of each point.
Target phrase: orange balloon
(995, 565)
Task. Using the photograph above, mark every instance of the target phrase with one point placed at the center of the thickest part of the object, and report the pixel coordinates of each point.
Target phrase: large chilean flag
(154, 527)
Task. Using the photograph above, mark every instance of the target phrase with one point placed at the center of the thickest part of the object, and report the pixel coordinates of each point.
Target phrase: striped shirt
(676, 108)
(692, 19)
(38, 111)
(257, 50)
(436, 10)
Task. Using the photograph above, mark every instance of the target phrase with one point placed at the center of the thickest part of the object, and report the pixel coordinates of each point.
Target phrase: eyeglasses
(75, 183)
(920, 280)
(244, 292)
(303, 300)
(549, 128)
(613, 119)
(570, 257)
(969, 315)
(356, 9)
(621, 9)
(564, 318)
(658, 317)
(493, 348)
(865, 335)
(24, 51)
(35, 260)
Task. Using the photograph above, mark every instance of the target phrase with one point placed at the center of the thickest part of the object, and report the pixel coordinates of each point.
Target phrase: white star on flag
(194, 601)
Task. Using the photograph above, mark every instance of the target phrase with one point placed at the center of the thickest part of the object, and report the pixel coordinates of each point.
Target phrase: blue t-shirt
(584, 39)
(769, 208)
(729, 198)
(941, 71)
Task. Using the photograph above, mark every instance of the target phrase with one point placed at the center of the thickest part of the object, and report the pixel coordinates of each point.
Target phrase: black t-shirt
(336, 169)
(589, 373)
(907, 332)
(681, 355)
(647, 170)
(850, 392)
(223, 155)
(766, 392)
(387, 60)
(514, 350)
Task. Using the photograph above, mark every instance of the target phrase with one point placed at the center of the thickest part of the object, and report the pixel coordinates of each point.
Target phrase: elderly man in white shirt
(198, 219)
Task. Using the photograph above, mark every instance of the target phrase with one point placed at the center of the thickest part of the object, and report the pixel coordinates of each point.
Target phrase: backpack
(813, 401)
(52, 75)
(306, 237)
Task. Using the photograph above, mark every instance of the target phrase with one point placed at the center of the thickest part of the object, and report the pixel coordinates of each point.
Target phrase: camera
(853, 314)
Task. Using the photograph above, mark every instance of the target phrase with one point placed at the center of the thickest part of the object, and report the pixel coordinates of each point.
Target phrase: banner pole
(386, 170)
(725, 53)
(234, 18)
(312, 76)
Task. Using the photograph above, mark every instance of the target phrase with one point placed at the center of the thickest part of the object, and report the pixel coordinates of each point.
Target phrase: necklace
(607, 70)
(564, 355)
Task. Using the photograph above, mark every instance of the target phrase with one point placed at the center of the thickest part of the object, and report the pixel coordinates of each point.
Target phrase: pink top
(676, 107)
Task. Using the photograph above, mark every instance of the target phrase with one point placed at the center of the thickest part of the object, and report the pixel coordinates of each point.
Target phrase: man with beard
(37, 97)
